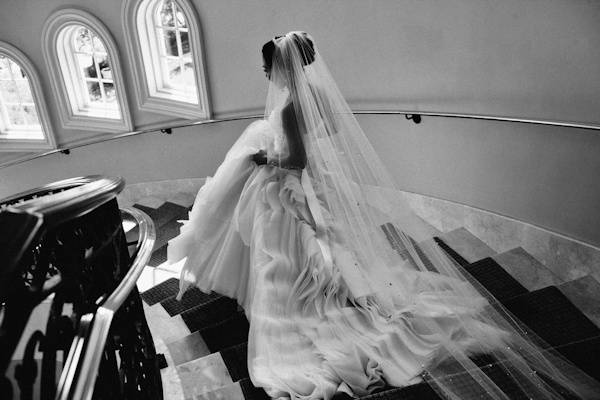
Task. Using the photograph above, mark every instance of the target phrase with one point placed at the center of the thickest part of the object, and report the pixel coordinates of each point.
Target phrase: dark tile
(495, 279)
(212, 313)
(191, 298)
(158, 293)
(552, 316)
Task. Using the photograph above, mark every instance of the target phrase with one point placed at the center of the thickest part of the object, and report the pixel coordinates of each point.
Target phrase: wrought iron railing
(66, 242)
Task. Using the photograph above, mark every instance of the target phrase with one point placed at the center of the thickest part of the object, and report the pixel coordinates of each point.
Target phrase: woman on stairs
(344, 288)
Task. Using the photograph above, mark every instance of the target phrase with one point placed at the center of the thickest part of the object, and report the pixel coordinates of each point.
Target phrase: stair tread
(235, 358)
(551, 315)
(469, 246)
(191, 298)
(584, 292)
(230, 332)
(163, 290)
(208, 314)
(159, 256)
(165, 213)
(526, 269)
(495, 279)
(251, 392)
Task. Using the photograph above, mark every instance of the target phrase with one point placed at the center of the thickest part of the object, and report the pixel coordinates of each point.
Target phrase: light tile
(150, 201)
(164, 327)
(470, 247)
(229, 392)
(584, 292)
(203, 375)
(526, 269)
(188, 349)
(152, 276)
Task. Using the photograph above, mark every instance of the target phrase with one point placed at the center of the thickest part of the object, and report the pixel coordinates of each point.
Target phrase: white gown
(252, 236)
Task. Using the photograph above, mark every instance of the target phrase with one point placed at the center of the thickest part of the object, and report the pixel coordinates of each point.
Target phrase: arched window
(83, 59)
(165, 35)
(24, 121)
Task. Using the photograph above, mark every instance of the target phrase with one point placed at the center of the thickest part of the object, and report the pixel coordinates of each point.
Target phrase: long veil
(395, 271)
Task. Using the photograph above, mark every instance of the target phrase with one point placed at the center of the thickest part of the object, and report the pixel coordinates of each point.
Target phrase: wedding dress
(343, 286)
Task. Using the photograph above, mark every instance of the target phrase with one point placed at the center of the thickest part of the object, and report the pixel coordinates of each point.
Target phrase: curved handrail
(90, 362)
(169, 128)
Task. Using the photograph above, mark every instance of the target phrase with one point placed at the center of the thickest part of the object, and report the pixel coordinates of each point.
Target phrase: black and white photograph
(299, 199)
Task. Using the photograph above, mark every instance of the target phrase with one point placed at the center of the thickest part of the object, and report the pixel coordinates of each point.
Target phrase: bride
(344, 288)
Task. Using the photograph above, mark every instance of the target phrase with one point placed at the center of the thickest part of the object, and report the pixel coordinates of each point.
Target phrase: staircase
(204, 336)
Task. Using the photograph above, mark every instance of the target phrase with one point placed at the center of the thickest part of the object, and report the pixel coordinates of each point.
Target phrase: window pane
(104, 66)
(31, 117)
(9, 92)
(4, 70)
(98, 45)
(181, 23)
(83, 40)
(109, 89)
(24, 91)
(170, 40)
(94, 92)
(86, 63)
(185, 42)
(15, 115)
(174, 69)
(166, 14)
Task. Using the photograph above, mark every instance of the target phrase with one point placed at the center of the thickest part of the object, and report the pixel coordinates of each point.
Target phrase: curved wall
(534, 59)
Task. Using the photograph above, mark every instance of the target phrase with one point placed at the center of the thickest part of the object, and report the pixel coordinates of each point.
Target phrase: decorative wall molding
(49, 141)
(146, 100)
(58, 21)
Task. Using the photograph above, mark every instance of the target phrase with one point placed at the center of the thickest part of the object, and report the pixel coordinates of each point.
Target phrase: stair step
(233, 391)
(584, 354)
(188, 348)
(551, 315)
(158, 257)
(584, 292)
(236, 359)
(495, 279)
(167, 232)
(160, 292)
(165, 213)
(209, 314)
(191, 298)
(526, 269)
(228, 333)
(203, 375)
(469, 246)
(251, 392)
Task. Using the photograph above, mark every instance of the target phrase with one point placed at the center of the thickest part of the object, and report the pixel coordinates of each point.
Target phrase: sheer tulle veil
(397, 269)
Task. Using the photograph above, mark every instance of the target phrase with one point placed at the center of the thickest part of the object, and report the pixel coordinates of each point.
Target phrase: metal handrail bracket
(169, 128)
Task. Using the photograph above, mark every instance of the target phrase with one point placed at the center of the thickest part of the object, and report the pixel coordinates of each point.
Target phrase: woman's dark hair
(305, 46)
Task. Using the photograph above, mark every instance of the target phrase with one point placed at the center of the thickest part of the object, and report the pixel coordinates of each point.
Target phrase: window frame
(8, 144)
(65, 82)
(147, 74)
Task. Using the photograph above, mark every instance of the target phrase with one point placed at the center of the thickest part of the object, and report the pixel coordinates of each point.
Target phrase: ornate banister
(67, 240)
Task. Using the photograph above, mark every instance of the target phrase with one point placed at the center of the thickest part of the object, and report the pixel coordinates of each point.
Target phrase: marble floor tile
(188, 348)
(584, 292)
(229, 392)
(203, 375)
(151, 277)
(183, 199)
(164, 327)
(150, 201)
(526, 269)
(467, 245)
(172, 388)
